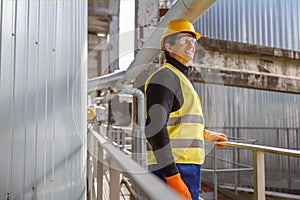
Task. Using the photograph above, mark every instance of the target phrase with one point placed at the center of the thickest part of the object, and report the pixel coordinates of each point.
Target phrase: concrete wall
(246, 65)
(253, 43)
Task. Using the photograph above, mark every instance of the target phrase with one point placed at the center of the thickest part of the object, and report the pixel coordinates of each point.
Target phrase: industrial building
(72, 109)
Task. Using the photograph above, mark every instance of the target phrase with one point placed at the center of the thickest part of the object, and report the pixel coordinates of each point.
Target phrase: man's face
(183, 49)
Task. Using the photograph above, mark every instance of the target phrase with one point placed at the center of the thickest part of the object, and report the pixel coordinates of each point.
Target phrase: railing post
(89, 176)
(100, 172)
(289, 158)
(259, 175)
(114, 183)
(235, 155)
(297, 144)
(89, 168)
(94, 165)
(215, 176)
(235, 172)
(118, 162)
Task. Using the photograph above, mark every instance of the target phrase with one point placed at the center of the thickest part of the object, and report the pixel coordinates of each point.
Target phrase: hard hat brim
(178, 26)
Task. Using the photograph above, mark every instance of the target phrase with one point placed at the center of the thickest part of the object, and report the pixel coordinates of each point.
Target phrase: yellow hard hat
(178, 26)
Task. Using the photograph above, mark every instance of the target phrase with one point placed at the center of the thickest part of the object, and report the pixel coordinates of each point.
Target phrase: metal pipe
(139, 140)
(267, 149)
(139, 128)
(186, 9)
(104, 82)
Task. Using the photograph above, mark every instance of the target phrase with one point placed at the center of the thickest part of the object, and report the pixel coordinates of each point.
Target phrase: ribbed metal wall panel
(256, 114)
(242, 107)
(272, 23)
(42, 99)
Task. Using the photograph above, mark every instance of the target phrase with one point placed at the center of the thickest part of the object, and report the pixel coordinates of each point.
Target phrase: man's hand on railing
(177, 184)
(215, 137)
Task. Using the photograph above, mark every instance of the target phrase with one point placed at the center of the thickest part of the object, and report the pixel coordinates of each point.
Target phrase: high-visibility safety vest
(185, 126)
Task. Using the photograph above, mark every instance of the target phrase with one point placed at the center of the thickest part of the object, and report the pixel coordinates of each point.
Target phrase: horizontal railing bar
(227, 161)
(149, 184)
(235, 139)
(246, 127)
(227, 170)
(270, 193)
(267, 149)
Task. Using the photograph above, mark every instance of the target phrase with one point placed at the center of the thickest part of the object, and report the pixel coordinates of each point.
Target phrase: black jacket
(163, 97)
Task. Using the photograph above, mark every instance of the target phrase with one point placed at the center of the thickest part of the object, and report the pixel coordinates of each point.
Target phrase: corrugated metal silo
(42, 99)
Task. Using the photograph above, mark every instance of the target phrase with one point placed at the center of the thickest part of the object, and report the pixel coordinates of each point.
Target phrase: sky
(126, 37)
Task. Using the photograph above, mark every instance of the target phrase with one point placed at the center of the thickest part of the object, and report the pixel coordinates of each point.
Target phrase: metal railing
(288, 168)
(116, 138)
(144, 181)
(237, 167)
(118, 163)
(258, 154)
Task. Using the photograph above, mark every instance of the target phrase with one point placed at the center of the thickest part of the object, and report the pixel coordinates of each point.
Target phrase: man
(175, 123)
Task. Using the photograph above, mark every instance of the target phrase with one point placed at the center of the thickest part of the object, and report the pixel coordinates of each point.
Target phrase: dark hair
(169, 39)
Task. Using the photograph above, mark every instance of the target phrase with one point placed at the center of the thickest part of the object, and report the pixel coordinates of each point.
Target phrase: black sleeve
(160, 95)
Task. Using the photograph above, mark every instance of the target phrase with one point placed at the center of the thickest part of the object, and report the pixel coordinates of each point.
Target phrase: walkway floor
(207, 193)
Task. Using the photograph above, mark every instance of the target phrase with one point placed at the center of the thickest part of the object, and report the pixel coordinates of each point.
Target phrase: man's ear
(168, 46)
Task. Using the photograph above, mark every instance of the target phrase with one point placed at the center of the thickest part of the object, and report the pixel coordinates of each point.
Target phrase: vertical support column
(114, 7)
(100, 173)
(146, 17)
(138, 139)
(259, 175)
(99, 63)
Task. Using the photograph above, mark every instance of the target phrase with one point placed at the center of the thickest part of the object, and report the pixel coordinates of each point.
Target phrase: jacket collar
(178, 65)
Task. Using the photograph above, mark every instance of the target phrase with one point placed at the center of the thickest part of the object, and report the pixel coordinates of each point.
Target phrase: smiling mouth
(189, 52)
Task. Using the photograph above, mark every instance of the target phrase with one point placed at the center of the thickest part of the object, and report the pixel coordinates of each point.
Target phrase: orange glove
(176, 183)
(215, 137)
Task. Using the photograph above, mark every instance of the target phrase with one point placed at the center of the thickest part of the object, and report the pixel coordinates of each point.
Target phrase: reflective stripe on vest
(185, 126)
(183, 143)
(185, 119)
